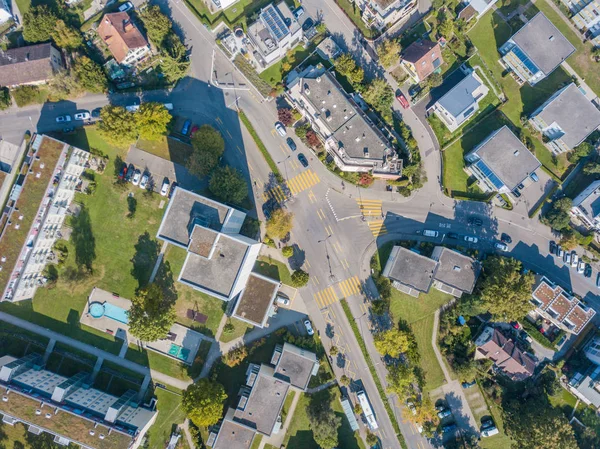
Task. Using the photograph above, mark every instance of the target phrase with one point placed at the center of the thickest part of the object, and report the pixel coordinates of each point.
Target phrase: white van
(490, 431)
(430, 233)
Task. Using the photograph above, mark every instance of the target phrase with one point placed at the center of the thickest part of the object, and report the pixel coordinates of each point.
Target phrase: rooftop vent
(318, 79)
(4, 398)
(456, 268)
(101, 436)
(92, 432)
(38, 412)
(48, 415)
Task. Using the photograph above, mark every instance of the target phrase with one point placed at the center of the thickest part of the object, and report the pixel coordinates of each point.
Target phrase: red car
(194, 129)
(403, 101)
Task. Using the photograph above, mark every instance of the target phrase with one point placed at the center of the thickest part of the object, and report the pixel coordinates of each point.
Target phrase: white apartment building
(586, 206)
(380, 14)
(586, 17)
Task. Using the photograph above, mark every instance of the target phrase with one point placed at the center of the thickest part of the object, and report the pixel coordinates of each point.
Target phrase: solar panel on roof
(489, 174)
(525, 60)
(274, 22)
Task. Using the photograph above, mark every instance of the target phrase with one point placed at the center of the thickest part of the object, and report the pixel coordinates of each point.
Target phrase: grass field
(169, 415)
(480, 410)
(167, 148)
(240, 328)
(274, 269)
(275, 74)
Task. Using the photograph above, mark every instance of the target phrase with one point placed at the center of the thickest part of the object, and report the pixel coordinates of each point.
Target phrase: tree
(389, 52)
(534, 423)
(466, 371)
(287, 251)
(325, 424)
(5, 100)
(400, 380)
(173, 69)
(333, 351)
(558, 217)
(26, 95)
(372, 439)
(505, 289)
(584, 149)
(90, 75)
(228, 184)
(64, 85)
(380, 95)
(152, 120)
(285, 116)
(157, 25)
(39, 23)
(299, 278)
(280, 223)
(312, 139)
(208, 147)
(346, 66)
(392, 342)
(591, 168)
(203, 402)
(568, 241)
(151, 315)
(66, 37)
(435, 79)
(446, 28)
(344, 380)
(118, 126)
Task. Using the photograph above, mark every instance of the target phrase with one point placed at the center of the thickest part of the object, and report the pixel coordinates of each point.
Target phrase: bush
(299, 278)
(285, 116)
(287, 251)
(26, 95)
(235, 356)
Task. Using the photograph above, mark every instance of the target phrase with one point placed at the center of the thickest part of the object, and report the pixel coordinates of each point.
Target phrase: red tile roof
(507, 357)
(120, 34)
(422, 55)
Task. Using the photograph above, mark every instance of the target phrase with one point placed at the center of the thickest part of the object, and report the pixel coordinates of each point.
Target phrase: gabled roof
(513, 362)
(25, 65)
(425, 55)
(120, 34)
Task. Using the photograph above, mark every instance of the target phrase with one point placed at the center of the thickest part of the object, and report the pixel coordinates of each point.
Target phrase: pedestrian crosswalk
(350, 286)
(277, 193)
(369, 208)
(303, 181)
(377, 227)
(325, 297)
(347, 288)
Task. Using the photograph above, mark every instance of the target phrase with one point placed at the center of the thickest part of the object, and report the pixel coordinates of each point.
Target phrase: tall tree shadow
(83, 239)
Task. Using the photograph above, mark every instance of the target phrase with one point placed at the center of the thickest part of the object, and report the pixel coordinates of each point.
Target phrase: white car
(471, 239)
(63, 118)
(574, 259)
(136, 177)
(501, 246)
(82, 116)
(282, 301)
(309, 328)
(581, 267)
(125, 7)
(165, 187)
(280, 129)
(144, 181)
(411, 407)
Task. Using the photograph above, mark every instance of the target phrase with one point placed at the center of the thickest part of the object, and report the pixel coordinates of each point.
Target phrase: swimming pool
(179, 352)
(98, 310)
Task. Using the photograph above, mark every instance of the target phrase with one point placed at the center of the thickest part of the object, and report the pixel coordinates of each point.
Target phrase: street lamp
(331, 276)
(285, 165)
(359, 319)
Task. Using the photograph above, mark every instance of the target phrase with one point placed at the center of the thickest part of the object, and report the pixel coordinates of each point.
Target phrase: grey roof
(590, 205)
(202, 240)
(186, 208)
(295, 365)
(543, 43)
(409, 268)
(265, 402)
(460, 97)
(359, 141)
(574, 113)
(455, 269)
(507, 157)
(256, 299)
(325, 94)
(217, 274)
(588, 387)
(24, 65)
(234, 435)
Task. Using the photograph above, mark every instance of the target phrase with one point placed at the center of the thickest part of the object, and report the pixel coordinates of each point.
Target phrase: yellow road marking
(377, 227)
(345, 264)
(320, 213)
(303, 181)
(307, 264)
(229, 134)
(240, 150)
(273, 132)
(282, 150)
(350, 287)
(330, 230)
(312, 197)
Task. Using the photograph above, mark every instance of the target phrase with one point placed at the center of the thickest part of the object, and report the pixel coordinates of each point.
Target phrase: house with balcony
(350, 137)
(420, 59)
(558, 306)
(586, 17)
(586, 206)
(566, 119)
(123, 38)
(31, 65)
(536, 50)
(501, 162)
(274, 33)
(461, 102)
(382, 14)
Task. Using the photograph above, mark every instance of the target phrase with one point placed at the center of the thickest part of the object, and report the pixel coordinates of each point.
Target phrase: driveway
(533, 193)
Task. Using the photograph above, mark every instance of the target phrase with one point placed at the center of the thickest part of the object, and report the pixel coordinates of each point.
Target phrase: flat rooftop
(359, 140)
(295, 365)
(233, 435)
(457, 270)
(543, 43)
(326, 96)
(256, 299)
(409, 268)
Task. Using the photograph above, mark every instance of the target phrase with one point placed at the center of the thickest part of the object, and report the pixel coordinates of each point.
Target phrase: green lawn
(169, 415)
(509, 6)
(274, 269)
(240, 328)
(158, 362)
(480, 410)
(565, 400)
(17, 437)
(276, 73)
(167, 148)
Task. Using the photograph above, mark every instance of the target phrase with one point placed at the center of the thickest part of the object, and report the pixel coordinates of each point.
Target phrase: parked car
(567, 258)
(144, 181)
(516, 193)
(520, 186)
(471, 239)
(444, 413)
(403, 101)
(501, 246)
(85, 115)
(186, 127)
(63, 118)
(194, 129)
(308, 23)
(489, 431)
(505, 238)
(165, 187)
(309, 328)
(136, 177)
(515, 325)
(68, 130)
(449, 428)
(574, 259)
(598, 280)
(282, 301)
(430, 233)
(125, 7)
(581, 267)
(290, 142)
(299, 12)
(466, 385)
(280, 129)
(588, 271)
(552, 247)
(475, 221)
(411, 407)
(534, 177)
(303, 160)
(452, 235)
(559, 251)
(130, 171)
(96, 112)
(172, 189)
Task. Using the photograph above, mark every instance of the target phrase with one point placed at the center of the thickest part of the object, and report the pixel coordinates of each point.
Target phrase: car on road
(411, 407)
(475, 221)
(282, 301)
(136, 177)
(466, 385)
(581, 267)
(449, 428)
(588, 271)
(505, 238)
(280, 129)
(452, 235)
(501, 246)
(567, 258)
(165, 187)
(402, 100)
(303, 160)
(172, 189)
(186, 127)
(290, 143)
(574, 259)
(559, 251)
(96, 112)
(309, 328)
(125, 7)
(144, 181)
(444, 413)
(63, 118)
(471, 239)
(552, 247)
(430, 233)
(85, 115)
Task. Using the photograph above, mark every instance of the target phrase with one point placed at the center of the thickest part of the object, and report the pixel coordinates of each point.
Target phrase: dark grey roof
(455, 269)
(507, 157)
(295, 365)
(234, 435)
(409, 268)
(25, 65)
(460, 97)
(574, 113)
(326, 97)
(543, 43)
(256, 299)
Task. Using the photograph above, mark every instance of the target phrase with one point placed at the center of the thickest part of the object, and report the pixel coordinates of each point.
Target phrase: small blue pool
(98, 310)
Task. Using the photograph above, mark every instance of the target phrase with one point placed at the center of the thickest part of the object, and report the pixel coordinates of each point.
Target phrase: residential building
(592, 349)
(219, 259)
(34, 65)
(563, 309)
(447, 270)
(501, 162)
(328, 49)
(475, 9)
(536, 50)
(508, 359)
(124, 40)
(420, 59)
(587, 18)
(28, 274)
(8, 155)
(274, 33)
(586, 206)
(461, 102)
(5, 11)
(586, 387)
(262, 397)
(566, 119)
(351, 139)
(382, 14)
(69, 408)
(256, 301)
(224, 4)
